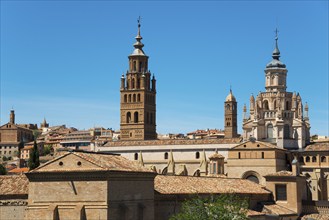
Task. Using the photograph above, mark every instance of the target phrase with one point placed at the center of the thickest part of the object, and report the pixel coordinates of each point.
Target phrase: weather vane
(139, 21)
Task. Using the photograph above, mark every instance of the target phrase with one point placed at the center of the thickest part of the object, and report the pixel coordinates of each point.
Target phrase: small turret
(12, 116)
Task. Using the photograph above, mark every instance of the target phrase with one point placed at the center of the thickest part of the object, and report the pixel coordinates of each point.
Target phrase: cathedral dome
(230, 97)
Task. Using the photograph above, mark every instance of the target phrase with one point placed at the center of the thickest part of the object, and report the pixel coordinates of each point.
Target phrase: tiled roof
(13, 185)
(254, 213)
(205, 185)
(174, 142)
(277, 210)
(319, 146)
(316, 216)
(102, 162)
(216, 156)
(281, 173)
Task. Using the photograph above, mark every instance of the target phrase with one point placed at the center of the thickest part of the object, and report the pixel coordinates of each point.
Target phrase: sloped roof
(100, 162)
(281, 173)
(14, 185)
(216, 156)
(319, 146)
(276, 209)
(256, 145)
(205, 185)
(19, 170)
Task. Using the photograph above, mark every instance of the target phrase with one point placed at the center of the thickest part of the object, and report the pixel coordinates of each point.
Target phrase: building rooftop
(95, 161)
(276, 209)
(318, 146)
(205, 185)
(14, 185)
(281, 173)
(174, 142)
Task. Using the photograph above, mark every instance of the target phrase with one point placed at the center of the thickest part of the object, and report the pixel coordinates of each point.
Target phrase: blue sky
(63, 60)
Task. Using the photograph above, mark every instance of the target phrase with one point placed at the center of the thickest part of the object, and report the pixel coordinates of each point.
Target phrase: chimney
(12, 117)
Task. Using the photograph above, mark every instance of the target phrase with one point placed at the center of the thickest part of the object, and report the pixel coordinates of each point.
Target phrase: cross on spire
(276, 33)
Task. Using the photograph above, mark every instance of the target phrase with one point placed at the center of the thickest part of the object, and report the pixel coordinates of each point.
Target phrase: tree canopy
(34, 157)
(222, 207)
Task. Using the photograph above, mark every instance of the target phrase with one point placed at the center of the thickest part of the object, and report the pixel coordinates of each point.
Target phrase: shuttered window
(281, 192)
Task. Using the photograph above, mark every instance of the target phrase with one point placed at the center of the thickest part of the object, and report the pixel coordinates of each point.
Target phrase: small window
(239, 155)
(257, 145)
(244, 145)
(214, 166)
(197, 155)
(79, 163)
(263, 155)
(281, 192)
(323, 159)
(314, 159)
(60, 163)
(166, 156)
(136, 156)
(307, 159)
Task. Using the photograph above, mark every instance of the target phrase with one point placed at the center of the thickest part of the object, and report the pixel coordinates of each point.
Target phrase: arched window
(128, 84)
(133, 84)
(270, 131)
(138, 83)
(129, 98)
(134, 98)
(136, 117)
(140, 66)
(228, 107)
(128, 117)
(253, 178)
(287, 105)
(301, 159)
(197, 155)
(125, 98)
(265, 105)
(314, 159)
(307, 159)
(138, 97)
(166, 156)
(323, 159)
(136, 156)
(286, 130)
(134, 66)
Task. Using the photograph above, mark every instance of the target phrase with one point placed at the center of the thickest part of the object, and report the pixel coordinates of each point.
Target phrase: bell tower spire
(138, 93)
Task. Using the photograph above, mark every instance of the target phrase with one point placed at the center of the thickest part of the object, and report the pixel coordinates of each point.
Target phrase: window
(266, 105)
(134, 67)
(286, 131)
(197, 155)
(166, 156)
(151, 119)
(301, 159)
(227, 107)
(263, 155)
(239, 155)
(270, 131)
(323, 159)
(128, 117)
(129, 98)
(138, 97)
(125, 98)
(287, 105)
(136, 156)
(281, 192)
(314, 159)
(133, 84)
(134, 98)
(253, 178)
(136, 117)
(214, 166)
(307, 159)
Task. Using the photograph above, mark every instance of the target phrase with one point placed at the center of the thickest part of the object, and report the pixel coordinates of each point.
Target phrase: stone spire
(138, 44)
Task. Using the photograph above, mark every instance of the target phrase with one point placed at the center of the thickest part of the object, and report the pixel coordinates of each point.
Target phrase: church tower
(230, 116)
(276, 115)
(138, 97)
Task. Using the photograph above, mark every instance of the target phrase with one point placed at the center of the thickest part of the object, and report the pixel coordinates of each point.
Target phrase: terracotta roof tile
(13, 185)
(281, 173)
(216, 156)
(320, 146)
(277, 210)
(19, 170)
(174, 142)
(104, 162)
(205, 185)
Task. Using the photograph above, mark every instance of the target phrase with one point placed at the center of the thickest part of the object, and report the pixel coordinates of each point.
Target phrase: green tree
(36, 134)
(34, 157)
(222, 207)
(47, 149)
(3, 170)
(4, 158)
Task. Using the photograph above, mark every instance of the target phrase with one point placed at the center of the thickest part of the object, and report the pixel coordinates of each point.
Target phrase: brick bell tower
(230, 125)
(138, 97)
